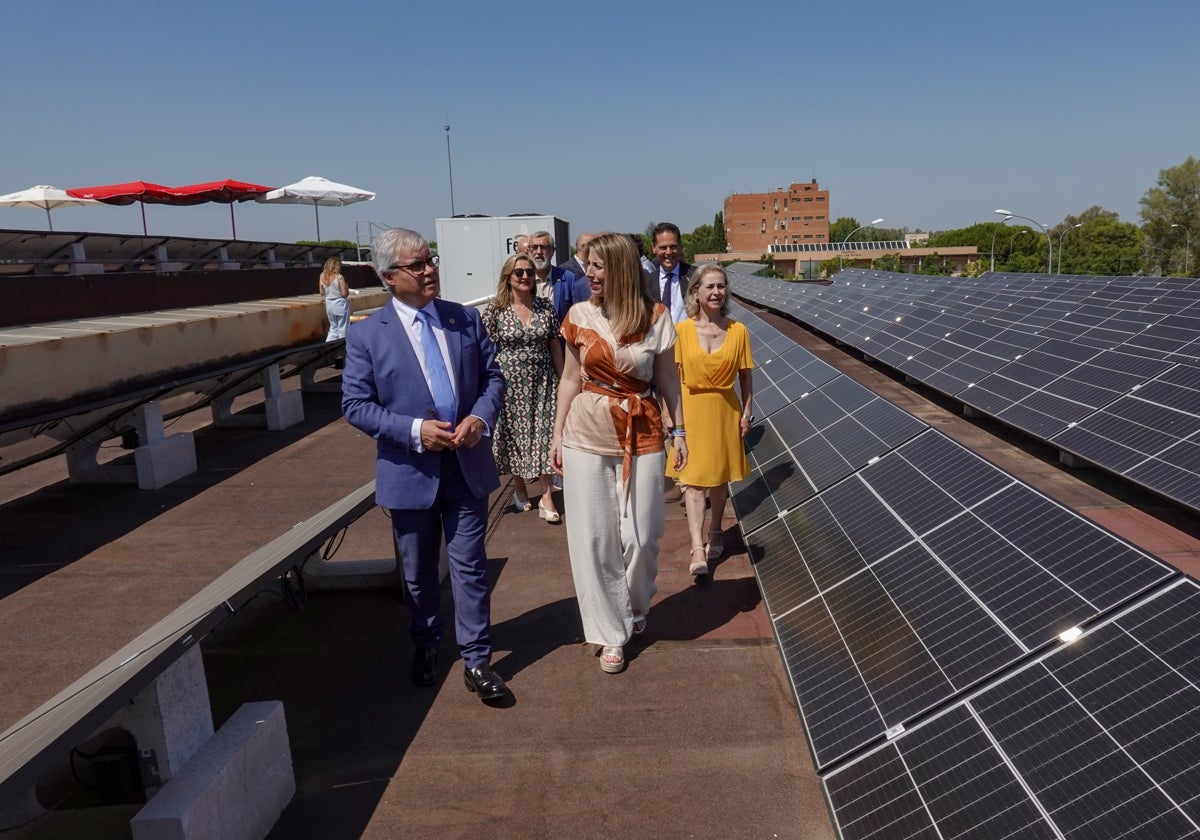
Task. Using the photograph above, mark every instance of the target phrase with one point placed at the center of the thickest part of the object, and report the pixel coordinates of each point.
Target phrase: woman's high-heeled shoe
(699, 564)
(521, 505)
(716, 545)
(552, 517)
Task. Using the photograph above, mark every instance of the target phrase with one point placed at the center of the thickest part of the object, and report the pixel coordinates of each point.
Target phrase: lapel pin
(452, 322)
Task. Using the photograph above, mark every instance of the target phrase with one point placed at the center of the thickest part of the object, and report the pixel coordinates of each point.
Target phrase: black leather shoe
(485, 682)
(425, 667)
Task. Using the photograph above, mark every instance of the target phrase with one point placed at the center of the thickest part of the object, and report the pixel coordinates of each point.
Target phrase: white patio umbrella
(319, 192)
(43, 197)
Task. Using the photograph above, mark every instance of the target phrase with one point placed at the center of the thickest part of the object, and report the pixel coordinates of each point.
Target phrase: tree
(888, 262)
(843, 227)
(1103, 246)
(1175, 201)
(934, 264)
(702, 240)
(719, 233)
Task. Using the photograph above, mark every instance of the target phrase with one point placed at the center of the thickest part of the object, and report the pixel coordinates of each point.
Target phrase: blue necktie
(666, 295)
(435, 366)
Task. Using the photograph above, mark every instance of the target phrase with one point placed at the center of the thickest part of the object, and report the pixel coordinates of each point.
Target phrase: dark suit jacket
(573, 265)
(685, 274)
(383, 389)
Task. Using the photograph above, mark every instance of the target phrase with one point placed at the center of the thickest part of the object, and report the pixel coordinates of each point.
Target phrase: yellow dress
(711, 408)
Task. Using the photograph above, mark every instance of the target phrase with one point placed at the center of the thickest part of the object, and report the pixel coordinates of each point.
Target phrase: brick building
(796, 216)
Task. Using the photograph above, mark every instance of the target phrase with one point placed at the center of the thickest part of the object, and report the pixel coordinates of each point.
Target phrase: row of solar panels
(31, 252)
(969, 657)
(837, 247)
(1107, 369)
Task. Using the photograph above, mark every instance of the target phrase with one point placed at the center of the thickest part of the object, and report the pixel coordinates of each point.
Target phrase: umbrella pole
(144, 233)
(232, 222)
(317, 211)
(49, 221)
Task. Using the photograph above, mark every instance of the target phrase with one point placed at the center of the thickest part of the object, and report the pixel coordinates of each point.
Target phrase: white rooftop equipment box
(473, 250)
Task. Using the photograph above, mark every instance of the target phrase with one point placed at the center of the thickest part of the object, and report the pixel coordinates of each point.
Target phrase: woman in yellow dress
(712, 351)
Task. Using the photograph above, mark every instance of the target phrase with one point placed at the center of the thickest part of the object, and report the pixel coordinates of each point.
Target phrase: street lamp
(842, 253)
(449, 167)
(993, 248)
(1060, 245)
(1014, 239)
(1049, 244)
(1187, 246)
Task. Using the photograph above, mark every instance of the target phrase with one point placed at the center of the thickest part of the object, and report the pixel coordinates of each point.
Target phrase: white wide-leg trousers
(613, 541)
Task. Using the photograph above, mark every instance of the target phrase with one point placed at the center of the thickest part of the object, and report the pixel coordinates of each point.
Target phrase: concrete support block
(321, 574)
(170, 719)
(223, 260)
(1072, 461)
(163, 264)
(79, 264)
(233, 788)
(971, 413)
(164, 461)
(284, 408)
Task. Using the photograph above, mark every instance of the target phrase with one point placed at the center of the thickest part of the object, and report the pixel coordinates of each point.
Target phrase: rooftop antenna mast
(449, 164)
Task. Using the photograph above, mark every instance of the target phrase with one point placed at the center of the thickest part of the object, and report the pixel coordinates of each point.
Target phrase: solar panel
(812, 442)
(1150, 436)
(921, 596)
(1059, 357)
(919, 576)
(1100, 738)
(786, 378)
(1059, 383)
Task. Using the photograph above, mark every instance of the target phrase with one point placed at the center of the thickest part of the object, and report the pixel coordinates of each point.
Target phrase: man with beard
(557, 285)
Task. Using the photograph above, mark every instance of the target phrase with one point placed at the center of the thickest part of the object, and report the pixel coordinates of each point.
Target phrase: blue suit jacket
(383, 389)
(568, 288)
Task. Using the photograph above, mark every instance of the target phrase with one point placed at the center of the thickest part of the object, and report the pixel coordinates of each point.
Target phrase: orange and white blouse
(617, 412)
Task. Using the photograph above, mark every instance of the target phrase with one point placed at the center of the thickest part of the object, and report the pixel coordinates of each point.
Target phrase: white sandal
(612, 660)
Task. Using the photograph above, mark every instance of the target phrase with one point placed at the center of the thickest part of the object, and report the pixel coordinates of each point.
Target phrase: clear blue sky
(930, 114)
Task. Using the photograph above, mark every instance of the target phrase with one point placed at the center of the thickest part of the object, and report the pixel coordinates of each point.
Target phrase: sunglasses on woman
(524, 272)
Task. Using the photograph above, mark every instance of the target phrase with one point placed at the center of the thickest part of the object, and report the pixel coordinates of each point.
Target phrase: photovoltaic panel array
(1096, 738)
(1063, 358)
(1149, 435)
(815, 440)
(921, 597)
(918, 577)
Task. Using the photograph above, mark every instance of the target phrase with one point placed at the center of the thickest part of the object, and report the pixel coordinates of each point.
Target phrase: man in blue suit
(421, 378)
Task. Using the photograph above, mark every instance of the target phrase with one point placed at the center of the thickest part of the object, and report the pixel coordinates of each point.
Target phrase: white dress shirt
(678, 307)
(408, 318)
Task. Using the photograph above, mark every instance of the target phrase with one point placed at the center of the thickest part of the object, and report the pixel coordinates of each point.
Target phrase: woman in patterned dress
(608, 444)
(525, 332)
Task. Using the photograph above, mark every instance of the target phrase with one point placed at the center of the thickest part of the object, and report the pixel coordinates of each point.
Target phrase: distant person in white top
(333, 288)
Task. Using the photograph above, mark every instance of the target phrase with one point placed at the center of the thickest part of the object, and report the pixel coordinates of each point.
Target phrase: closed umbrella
(44, 197)
(319, 192)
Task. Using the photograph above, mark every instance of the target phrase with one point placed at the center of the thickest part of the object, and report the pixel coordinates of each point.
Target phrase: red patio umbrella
(127, 193)
(224, 192)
